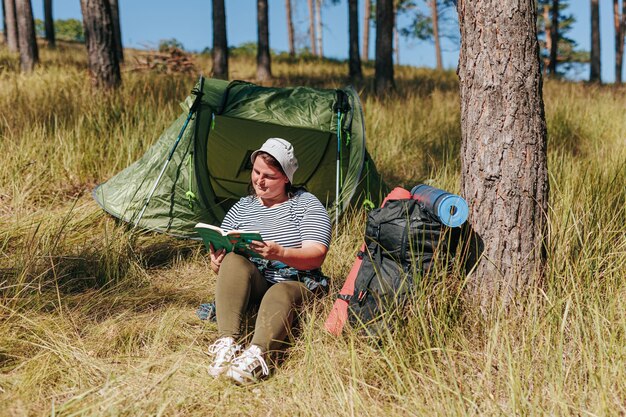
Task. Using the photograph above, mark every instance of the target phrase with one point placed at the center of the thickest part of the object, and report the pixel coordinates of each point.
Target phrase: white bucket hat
(282, 151)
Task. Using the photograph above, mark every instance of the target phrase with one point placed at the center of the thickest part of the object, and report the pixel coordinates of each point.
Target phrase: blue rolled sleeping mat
(450, 209)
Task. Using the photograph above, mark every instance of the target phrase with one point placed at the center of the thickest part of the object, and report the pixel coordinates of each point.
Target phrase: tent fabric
(210, 169)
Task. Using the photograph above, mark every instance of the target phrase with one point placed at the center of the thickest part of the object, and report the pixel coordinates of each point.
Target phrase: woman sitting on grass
(296, 234)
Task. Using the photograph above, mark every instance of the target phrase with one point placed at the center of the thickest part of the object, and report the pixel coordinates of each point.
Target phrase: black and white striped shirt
(301, 218)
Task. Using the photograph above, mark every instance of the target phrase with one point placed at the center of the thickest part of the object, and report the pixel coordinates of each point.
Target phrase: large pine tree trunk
(263, 60)
(383, 78)
(100, 41)
(290, 33)
(49, 23)
(366, 31)
(29, 53)
(596, 70)
(435, 17)
(117, 30)
(220, 43)
(619, 22)
(554, 37)
(354, 65)
(312, 26)
(503, 150)
(11, 22)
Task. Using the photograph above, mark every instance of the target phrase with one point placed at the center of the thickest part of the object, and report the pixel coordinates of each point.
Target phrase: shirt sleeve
(315, 225)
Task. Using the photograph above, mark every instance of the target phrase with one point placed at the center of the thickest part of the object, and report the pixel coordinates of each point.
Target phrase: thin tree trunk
(29, 54)
(366, 31)
(623, 30)
(220, 43)
(546, 30)
(11, 18)
(100, 41)
(554, 37)
(383, 78)
(396, 38)
(618, 22)
(263, 61)
(435, 17)
(290, 34)
(5, 32)
(117, 30)
(318, 29)
(49, 23)
(596, 70)
(354, 69)
(312, 26)
(504, 174)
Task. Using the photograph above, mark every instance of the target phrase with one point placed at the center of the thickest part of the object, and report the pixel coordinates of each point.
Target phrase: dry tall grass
(97, 321)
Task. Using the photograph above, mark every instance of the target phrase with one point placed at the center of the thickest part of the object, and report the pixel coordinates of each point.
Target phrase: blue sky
(145, 22)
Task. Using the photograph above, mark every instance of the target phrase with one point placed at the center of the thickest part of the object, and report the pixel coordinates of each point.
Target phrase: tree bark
(619, 23)
(354, 65)
(220, 43)
(117, 30)
(312, 26)
(263, 61)
(29, 54)
(383, 78)
(554, 37)
(11, 22)
(596, 70)
(366, 30)
(49, 23)
(435, 17)
(100, 41)
(290, 34)
(318, 28)
(504, 174)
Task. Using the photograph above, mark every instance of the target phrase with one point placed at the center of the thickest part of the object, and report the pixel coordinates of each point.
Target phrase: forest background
(189, 24)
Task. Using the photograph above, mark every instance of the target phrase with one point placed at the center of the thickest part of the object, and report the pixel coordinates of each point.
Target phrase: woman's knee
(235, 265)
(290, 293)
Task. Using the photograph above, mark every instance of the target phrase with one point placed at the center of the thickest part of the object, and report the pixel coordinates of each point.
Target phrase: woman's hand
(310, 256)
(216, 258)
(268, 250)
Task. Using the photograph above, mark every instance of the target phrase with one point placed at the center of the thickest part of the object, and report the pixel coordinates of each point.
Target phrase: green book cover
(232, 241)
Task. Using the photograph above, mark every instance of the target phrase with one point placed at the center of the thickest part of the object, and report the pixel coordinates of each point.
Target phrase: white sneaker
(224, 351)
(249, 367)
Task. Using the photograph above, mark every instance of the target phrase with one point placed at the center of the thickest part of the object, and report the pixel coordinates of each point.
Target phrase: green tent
(209, 169)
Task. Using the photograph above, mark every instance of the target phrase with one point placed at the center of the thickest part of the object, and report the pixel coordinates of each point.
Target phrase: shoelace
(249, 360)
(219, 345)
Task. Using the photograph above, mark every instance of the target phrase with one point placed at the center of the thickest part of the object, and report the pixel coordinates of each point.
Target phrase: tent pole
(337, 175)
(337, 195)
(192, 110)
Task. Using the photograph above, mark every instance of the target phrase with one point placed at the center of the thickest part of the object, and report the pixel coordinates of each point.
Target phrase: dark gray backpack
(402, 240)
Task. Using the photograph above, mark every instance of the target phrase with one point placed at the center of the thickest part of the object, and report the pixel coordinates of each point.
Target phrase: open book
(234, 240)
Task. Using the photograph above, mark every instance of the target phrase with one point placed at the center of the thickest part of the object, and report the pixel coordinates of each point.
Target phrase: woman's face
(268, 182)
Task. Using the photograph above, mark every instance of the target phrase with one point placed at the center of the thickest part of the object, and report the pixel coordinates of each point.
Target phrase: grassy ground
(96, 321)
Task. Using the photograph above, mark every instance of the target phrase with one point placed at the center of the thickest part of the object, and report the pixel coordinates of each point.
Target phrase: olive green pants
(239, 286)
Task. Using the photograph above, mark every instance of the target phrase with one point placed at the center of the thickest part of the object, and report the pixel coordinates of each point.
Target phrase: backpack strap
(363, 290)
(344, 297)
